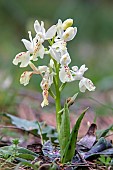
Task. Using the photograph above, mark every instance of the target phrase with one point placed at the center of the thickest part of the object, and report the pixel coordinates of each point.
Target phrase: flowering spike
(59, 35)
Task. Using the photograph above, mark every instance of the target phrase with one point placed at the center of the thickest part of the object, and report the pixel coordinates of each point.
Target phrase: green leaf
(33, 127)
(22, 123)
(64, 130)
(70, 147)
(9, 149)
(103, 133)
(26, 151)
(26, 156)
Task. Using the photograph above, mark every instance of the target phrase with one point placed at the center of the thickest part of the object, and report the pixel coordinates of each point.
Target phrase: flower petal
(70, 33)
(38, 51)
(37, 26)
(50, 32)
(67, 23)
(42, 69)
(42, 28)
(23, 58)
(45, 102)
(28, 45)
(86, 83)
(41, 52)
(65, 74)
(78, 73)
(55, 54)
(25, 77)
(44, 86)
(83, 68)
(60, 46)
(62, 75)
(65, 59)
(51, 63)
(59, 28)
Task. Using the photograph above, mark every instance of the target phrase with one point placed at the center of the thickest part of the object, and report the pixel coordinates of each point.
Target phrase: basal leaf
(70, 147)
(33, 127)
(22, 123)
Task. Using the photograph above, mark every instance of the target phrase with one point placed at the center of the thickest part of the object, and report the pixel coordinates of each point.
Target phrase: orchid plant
(57, 72)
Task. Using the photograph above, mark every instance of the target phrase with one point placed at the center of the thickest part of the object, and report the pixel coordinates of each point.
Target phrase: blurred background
(93, 46)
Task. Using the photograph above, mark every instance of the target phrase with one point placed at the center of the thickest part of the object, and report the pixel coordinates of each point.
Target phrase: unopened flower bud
(67, 23)
(70, 33)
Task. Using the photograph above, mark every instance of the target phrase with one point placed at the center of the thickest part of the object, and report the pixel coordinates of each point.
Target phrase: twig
(86, 163)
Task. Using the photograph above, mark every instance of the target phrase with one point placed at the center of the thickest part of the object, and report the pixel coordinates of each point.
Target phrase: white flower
(25, 77)
(42, 69)
(51, 63)
(66, 35)
(45, 85)
(57, 50)
(65, 73)
(23, 58)
(47, 78)
(60, 29)
(78, 73)
(40, 31)
(65, 59)
(39, 51)
(55, 55)
(86, 84)
(69, 34)
(45, 98)
(34, 46)
(30, 45)
(60, 46)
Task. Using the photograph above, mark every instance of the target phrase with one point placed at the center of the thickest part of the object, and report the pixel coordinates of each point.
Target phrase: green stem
(57, 97)
(58, 102)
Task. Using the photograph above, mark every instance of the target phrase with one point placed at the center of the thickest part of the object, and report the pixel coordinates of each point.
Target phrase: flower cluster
(58, 36)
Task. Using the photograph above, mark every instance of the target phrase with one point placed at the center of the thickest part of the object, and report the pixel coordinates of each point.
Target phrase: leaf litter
(91, 151)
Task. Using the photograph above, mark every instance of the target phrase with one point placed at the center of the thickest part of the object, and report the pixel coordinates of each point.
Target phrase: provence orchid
(57, 73)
